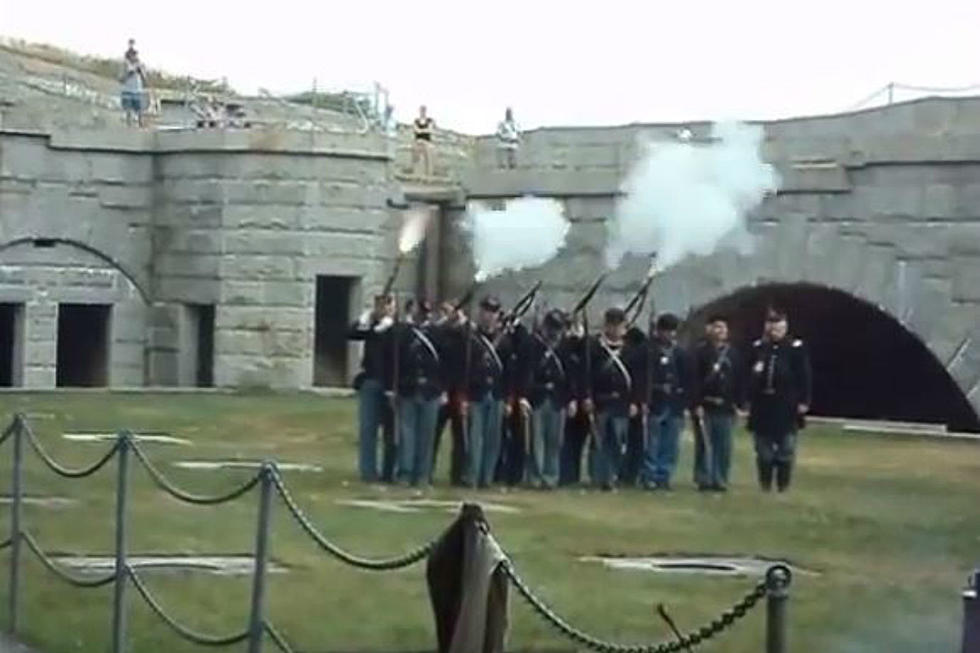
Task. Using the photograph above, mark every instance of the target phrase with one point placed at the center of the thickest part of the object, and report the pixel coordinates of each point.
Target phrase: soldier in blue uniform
(664, 382)
(718, 390)
(609, 392)
(780, 387)
(516, 426)
(478, 367)
(632, 464)
(415, 375)
(546, 390)
(577, 421)
(449, 319)
(373, 410)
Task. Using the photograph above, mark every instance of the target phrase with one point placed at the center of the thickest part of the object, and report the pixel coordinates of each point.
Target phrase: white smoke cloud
(414, 223)
(527, 233)
(685, 198)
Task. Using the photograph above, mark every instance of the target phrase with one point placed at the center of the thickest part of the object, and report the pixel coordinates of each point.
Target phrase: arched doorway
(865, 363)
(83, 314)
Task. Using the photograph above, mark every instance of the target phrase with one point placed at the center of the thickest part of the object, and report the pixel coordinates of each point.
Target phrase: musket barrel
(389, 284)
(466, 298)
(587, 297)
(524, 303)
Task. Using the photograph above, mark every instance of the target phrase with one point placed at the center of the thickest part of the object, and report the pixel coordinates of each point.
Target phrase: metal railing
(270, 484)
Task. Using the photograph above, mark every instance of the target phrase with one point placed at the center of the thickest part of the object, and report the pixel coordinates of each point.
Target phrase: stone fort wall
(883, 204)
(156, 224)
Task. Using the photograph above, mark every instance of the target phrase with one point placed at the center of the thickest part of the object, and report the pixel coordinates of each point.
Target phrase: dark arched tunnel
(865, 363)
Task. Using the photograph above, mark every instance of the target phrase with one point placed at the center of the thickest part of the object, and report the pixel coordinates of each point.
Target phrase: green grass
(892, 525)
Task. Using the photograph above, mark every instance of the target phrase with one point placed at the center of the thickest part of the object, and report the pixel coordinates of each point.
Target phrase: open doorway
(83, 345)
(11, 330)
(333, 296)
(202, 330)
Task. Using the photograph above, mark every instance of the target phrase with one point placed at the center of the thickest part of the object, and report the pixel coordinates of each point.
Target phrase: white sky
(556, 63)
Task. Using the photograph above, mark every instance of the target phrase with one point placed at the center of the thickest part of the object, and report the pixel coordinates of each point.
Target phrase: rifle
(700, 437)
(391, 278)
(580, 308)
(465, 299)
(396, 357)
(463, 394)
(522, 306)
(587, 297)
(640, 298)
(590, 414)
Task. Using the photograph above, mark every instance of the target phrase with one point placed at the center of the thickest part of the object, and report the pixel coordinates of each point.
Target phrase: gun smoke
(528, 232)
(414, 223)
(683, 199)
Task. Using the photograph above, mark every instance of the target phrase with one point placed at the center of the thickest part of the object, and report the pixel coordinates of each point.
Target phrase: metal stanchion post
(777, 595)
(16, 496)
(971, 614)
(119, 589)
(257, 619)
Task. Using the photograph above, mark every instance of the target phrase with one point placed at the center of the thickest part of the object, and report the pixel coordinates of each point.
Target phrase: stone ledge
(139, 142)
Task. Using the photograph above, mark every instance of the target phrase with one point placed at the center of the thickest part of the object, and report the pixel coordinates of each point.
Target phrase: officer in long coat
(780, 388)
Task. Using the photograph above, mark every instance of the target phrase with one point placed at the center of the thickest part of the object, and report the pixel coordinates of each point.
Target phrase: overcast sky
(556, 63)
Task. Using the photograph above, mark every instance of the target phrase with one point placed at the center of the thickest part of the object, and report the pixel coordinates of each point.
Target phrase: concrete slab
(845, 421)
(243, 464)
(227, 565)
(895, 430)
(9, 645)
(40, 501)
(706, 565)
(421, 505)
(106, 436)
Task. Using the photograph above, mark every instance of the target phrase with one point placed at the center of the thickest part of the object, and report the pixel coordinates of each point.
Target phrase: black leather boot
(765, 474)
(784, 473)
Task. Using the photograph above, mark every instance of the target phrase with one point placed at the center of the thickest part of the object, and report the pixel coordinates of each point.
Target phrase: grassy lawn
(891, 525)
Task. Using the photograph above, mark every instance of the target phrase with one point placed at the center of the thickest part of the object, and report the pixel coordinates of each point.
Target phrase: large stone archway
(795, 250)
(865, 363)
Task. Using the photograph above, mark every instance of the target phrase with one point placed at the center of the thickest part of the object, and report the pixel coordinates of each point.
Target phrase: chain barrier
(387, 564)
(277, 638)
(777, 577)
(185, 632)
(61, 470)
(170, 488)
(7, 432)
(715, 627)
(51, 566)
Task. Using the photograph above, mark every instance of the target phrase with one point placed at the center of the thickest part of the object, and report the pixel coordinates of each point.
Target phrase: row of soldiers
(526, 405)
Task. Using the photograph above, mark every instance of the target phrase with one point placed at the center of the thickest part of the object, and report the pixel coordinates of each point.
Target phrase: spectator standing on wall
(133, 80)
(508, 140)
(422, 130)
